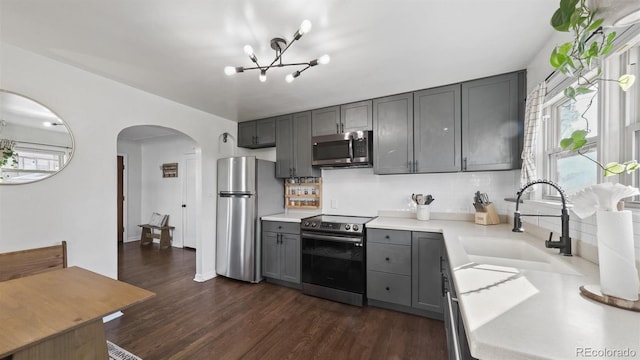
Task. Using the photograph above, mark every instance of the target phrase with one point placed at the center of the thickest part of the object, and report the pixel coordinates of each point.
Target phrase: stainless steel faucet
(565, 241)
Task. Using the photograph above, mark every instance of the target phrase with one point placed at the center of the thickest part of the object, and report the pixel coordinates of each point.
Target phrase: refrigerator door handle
(238, 195)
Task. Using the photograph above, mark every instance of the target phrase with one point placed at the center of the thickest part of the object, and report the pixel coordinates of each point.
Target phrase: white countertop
(515, 313)
(291, 215)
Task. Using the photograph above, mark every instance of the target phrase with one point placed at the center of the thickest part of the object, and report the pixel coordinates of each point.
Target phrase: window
(569, 169)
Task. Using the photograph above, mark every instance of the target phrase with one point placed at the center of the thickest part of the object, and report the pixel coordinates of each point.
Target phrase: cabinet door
(270, 255)
(437, 137)
(357, 116)
(266, 132)
(290, 258)
(392, 130)
(492, 118)
(284, 146)
(303, 149)
(326, 121)
(426, 277)
(246, 134)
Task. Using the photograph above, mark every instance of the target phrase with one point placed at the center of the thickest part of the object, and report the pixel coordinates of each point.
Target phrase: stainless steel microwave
(343, 150)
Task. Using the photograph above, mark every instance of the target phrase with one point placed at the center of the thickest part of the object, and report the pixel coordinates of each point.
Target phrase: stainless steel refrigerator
(247, 190)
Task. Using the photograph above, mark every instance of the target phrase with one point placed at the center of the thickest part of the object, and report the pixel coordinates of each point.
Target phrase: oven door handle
(347, 239)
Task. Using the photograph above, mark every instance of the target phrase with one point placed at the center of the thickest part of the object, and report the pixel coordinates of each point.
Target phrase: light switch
(334, 203)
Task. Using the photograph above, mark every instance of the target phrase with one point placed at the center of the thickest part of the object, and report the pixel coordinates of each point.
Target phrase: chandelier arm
(279, 56)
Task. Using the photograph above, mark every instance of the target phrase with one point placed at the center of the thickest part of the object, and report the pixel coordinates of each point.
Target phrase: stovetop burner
(335, 223)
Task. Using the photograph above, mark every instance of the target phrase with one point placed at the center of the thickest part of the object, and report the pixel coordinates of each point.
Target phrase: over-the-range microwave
(351, 149)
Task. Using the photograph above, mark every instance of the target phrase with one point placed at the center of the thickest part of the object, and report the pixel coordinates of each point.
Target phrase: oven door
(334, 261)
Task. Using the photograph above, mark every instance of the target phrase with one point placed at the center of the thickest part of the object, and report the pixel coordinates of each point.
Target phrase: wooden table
(58, 314)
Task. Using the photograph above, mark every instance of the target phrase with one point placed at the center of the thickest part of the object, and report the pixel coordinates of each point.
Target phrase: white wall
(78, 204)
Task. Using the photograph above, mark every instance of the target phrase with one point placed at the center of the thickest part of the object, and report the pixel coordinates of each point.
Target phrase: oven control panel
(331, 227)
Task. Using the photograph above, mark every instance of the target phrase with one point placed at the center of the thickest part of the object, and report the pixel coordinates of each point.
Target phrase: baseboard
(132, 238)
(204, 277)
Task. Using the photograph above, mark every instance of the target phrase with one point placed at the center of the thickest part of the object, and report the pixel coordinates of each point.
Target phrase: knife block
(487, 217)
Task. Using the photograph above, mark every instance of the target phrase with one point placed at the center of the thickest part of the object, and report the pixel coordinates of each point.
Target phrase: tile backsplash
(361, 192)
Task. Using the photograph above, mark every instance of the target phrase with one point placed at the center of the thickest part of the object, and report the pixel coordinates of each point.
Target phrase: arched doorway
(158, 176)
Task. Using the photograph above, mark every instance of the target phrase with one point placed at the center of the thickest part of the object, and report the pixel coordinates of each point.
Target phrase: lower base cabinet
(404, 271)
(281, 252)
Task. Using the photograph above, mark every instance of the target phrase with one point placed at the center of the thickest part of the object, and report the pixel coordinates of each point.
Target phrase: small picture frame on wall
(170, 170)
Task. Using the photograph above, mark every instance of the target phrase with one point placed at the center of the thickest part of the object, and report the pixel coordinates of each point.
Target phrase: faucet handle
(517, 222)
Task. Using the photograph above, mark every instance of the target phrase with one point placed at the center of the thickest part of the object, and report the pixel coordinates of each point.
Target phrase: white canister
(423, 212)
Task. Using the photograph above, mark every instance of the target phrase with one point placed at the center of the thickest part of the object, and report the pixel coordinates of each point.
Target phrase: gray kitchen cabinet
(325, 121)
(357, 116)
(344, 118)
(403, 271)
(437, 130)
(492, 122)
(393, 134)
(257, 133)
(281, 251)
(426, 252)
(293, 146)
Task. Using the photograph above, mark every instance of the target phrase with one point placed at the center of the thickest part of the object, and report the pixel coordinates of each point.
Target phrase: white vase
(423, 212)
(616, 255)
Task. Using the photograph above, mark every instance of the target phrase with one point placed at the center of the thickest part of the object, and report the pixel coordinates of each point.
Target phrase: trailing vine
(579, 59)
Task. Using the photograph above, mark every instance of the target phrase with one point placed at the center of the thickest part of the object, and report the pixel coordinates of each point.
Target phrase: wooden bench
(164, 233)
(22, 263)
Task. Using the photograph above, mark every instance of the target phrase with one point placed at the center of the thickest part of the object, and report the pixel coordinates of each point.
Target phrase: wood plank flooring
(228, 319)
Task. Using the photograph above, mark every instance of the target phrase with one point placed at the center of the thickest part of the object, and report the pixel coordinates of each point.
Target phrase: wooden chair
(165, 233)
(22, 263)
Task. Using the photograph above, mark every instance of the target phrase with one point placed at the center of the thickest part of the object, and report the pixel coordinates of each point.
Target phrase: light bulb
(289, 78)
(324, 59)
(47, 124)
(229, 70)
(305, 27)
(248, 50)
(263, 76)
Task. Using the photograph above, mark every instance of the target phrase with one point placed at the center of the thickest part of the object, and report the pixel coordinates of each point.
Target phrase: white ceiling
(178, 49)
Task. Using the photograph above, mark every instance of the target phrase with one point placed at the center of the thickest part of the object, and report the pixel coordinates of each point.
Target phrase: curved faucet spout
(565, 241)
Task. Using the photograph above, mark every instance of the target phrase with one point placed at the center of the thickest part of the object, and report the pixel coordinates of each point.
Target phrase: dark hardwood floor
(228, 319)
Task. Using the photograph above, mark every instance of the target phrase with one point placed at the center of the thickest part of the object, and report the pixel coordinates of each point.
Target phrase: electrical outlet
(334, 203)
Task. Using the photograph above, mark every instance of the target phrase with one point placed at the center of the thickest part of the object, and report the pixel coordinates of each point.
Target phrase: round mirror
(34, 142)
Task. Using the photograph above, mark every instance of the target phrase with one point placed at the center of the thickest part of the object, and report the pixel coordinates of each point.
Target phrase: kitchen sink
(513, 253)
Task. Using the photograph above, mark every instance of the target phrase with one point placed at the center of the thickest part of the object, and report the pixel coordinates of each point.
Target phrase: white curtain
(532, 119)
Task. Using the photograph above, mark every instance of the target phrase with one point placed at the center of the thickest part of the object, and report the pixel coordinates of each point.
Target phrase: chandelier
(280, 45)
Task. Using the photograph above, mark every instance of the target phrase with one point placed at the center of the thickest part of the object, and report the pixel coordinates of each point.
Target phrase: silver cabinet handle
(454, 332)
(337, 128)
(464, 163)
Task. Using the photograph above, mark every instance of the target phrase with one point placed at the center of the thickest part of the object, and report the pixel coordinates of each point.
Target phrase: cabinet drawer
(281, 227)
(383, 236)
(389, 258)
(391, 288)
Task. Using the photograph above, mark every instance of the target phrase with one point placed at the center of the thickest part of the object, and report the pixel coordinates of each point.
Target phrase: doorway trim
(125, 194)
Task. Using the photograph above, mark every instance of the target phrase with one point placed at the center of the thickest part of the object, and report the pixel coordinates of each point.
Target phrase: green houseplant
(579, 59)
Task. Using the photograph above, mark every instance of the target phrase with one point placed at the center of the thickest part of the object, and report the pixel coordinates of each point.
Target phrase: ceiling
(178, 49)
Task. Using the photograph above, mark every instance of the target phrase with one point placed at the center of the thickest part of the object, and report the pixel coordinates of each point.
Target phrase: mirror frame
(73, 140)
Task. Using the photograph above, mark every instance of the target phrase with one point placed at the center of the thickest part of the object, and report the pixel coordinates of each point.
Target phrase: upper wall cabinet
(340, 119)
(492, 122)
(473, 126)
(392, 134)
(436, 129)
(257, 133)
(293, 146)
